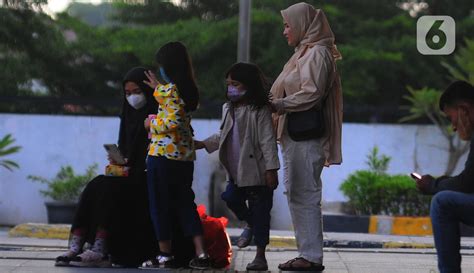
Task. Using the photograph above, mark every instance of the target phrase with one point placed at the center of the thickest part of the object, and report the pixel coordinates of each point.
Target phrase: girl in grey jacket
(248, 151)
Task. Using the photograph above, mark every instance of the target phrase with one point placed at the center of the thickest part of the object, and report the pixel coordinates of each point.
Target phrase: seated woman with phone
(112, 214)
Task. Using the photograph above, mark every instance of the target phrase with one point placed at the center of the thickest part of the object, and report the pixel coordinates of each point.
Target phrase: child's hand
(271, 179)
(272, 107)
(152, 81)
(199, 145)
(146, 123)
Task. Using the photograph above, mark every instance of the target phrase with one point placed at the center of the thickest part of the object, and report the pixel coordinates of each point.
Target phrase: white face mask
(137, 101)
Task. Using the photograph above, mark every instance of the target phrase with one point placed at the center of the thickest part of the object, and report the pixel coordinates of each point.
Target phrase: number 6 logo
(435, 35)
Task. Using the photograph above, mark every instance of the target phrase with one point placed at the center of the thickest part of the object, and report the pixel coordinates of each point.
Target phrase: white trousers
(303, 164)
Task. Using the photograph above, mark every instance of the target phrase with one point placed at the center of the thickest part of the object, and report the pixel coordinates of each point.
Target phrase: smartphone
(416, 176)
(115, 154)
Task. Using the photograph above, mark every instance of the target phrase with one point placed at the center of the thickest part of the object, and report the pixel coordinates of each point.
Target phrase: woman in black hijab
(112, 214)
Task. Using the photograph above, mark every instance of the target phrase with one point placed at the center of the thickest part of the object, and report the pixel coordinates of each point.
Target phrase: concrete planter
(60, 212)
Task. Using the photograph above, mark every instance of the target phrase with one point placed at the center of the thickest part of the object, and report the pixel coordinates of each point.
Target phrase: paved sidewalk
(22, 255)
(336, 261)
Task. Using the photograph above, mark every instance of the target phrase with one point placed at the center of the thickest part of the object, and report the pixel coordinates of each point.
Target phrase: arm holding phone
(114, 155)
(113, 162)
(423, 182)
(463, 182)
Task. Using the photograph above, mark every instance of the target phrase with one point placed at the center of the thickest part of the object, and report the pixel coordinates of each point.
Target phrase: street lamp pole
(243, 48)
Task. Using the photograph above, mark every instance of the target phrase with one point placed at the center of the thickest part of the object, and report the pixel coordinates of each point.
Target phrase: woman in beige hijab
(309, 80)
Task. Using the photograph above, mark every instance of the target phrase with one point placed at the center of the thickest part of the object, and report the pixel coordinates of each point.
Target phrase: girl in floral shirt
(171, 156)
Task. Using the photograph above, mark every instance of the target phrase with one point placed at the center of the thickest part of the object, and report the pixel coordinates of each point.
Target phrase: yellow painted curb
(400, 225)
(282, 242)
(43, 231)
(420, 226)
(373, 224)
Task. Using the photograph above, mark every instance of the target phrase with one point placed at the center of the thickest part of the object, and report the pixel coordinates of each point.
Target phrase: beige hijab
(310, 27)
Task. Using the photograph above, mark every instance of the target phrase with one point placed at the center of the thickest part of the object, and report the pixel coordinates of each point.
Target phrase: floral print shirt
(171, 133)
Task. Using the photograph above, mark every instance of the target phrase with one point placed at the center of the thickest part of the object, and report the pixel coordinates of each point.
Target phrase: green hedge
(372, 193)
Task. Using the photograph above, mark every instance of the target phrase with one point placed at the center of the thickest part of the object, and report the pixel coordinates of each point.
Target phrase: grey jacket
(258, 148)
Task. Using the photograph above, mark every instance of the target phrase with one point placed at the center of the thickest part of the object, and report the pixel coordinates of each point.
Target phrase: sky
(55, 6)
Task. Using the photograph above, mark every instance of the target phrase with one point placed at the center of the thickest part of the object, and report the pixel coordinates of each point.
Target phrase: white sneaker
(159, 262)
(90, 258)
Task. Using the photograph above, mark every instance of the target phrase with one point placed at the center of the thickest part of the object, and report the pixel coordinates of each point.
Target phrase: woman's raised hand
(152, 81)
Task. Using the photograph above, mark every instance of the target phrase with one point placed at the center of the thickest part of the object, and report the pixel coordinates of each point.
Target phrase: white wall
(51, 141)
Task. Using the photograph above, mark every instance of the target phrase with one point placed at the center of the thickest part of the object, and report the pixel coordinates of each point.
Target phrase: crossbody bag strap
(333, 77)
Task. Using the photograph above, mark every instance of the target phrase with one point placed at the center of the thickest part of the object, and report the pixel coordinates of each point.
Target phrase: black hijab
(133, 138)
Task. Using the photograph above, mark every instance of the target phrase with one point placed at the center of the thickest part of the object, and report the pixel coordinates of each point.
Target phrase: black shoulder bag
(309, 124)
(305, 125)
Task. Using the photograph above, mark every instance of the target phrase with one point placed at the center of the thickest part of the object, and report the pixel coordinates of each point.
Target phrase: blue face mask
(163, 75)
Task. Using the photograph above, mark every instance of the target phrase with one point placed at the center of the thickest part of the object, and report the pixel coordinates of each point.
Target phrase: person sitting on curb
(453, 200)
(112, 214)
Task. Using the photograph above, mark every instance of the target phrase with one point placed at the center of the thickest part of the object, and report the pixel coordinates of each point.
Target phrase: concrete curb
(384, 225)
(42, 231)
(387, 225)
(286, 242)
(60, 231)
(419, 226)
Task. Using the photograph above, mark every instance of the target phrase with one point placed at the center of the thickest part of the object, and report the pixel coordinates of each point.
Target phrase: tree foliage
(7, 149)
(424, 103)
(71, 58)
(377, 164)
(66, 186)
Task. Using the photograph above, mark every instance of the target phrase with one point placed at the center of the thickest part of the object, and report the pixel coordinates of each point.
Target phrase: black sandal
(245, 238)
(257, 265)
(288, 266)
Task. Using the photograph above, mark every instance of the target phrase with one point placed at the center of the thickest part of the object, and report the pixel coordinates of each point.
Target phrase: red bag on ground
(216, 239)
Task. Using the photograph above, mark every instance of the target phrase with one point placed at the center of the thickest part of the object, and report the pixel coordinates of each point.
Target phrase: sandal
(150, 264)
(91, 258)
(159, 261)
(245, 238)
(65, 258)
(257, 265)
(201, 262)
(289, 266)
